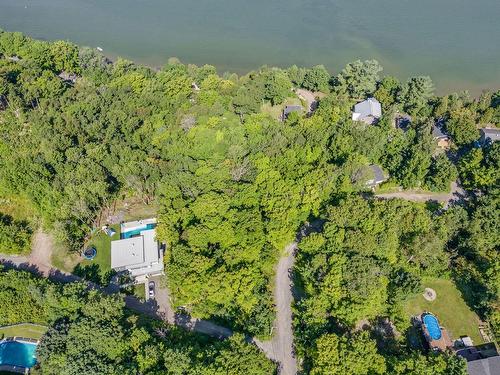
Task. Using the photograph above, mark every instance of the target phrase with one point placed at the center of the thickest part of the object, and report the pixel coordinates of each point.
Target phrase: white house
(368, 111)
(490, 134)
(137, 251)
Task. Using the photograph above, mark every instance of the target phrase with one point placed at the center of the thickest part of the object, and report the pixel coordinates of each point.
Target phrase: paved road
(280, 349)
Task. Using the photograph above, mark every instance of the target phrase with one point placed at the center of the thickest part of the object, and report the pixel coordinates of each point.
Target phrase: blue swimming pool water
(432, 325)
(136, 232)
(17, 353)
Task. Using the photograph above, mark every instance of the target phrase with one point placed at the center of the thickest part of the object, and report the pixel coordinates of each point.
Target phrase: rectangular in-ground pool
(137, 231)
(17, 353)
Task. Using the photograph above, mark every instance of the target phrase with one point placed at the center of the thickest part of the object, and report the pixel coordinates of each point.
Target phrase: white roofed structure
(368, 111)
(138, 251)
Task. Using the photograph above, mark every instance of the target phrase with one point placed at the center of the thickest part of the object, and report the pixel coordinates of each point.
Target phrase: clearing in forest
(449, 307)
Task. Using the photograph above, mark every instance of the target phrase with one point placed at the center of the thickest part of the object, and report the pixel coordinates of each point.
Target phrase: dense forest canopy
(90, 333)
(234, 185)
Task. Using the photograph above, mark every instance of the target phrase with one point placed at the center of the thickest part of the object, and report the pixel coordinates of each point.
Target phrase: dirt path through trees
(456, 193)
(41, 253)
(279, 349)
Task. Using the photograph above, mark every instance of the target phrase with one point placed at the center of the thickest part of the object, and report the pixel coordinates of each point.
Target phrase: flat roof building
(138, 251)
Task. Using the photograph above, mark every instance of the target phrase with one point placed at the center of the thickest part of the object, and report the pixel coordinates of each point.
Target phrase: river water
(456, 42)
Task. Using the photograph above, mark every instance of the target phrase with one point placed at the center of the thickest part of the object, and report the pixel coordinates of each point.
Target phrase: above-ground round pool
(17, 353)
(432, 325)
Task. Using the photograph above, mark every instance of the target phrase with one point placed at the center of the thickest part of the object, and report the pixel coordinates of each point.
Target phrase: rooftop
(369, 107)
(139, 253)
(438, 133)
(486, 366)
(490, 133)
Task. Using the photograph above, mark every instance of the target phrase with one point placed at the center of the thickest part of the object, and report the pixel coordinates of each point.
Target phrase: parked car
(151, 289)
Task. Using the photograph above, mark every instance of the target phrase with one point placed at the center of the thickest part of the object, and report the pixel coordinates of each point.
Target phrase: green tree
(316, 79)
(277, 86)
(441, 173)
(416, 93)
(15, 236)
(356, 355)
(359, 78)
(461, 126)
(388, 91)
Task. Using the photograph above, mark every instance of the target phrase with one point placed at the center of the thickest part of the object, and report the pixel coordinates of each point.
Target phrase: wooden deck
(442, 344)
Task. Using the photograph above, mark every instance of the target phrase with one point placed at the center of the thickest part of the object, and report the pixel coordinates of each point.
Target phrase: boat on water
(99, 49)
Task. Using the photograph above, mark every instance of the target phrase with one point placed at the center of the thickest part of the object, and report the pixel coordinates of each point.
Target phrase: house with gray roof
(290, 109)
(490, 134)
(485, 366)
(378, 176)
(368, 111)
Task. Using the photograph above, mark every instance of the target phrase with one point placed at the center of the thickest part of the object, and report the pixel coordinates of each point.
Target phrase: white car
(151, 289)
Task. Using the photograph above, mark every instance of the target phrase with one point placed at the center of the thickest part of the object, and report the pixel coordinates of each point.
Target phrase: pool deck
(133, 225)
(442, 344)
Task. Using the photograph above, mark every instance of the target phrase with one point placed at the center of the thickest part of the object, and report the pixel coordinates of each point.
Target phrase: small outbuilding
(368, 111)
(490, 134)
(377, 176)
(402, 121)
(68, 77)
(290, 109)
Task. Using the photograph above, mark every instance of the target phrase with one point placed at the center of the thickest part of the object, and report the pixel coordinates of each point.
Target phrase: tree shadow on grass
(94, 273)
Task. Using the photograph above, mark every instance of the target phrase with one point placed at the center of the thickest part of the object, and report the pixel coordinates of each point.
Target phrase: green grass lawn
(17, 206)
(97, 268)
(24, 330)
(275, 110)
(139, 291)
(449, 307)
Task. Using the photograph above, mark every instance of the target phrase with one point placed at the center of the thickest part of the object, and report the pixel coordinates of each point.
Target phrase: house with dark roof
(368, 111)
(442, 139)
(490, 134)
(402, 121)
(378, 176)
(481, 359)
(290, 109)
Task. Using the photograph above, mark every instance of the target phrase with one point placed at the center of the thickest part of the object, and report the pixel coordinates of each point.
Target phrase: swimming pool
(432, 325)
(136, 232)
(17, 353)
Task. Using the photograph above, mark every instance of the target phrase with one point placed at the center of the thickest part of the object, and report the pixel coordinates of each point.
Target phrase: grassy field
(16, 206)
(449, 307)
(275, 110)
(24, 330)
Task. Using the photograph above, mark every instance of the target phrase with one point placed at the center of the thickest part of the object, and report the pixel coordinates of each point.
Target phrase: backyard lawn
(97, 268)
(24, 330)
(275, 111)
(450, 309)
(140, 291)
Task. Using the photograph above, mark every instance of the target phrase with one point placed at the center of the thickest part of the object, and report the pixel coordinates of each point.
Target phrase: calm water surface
(456, 42)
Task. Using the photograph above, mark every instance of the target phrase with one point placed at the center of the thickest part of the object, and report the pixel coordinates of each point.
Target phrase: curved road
(280, 349)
